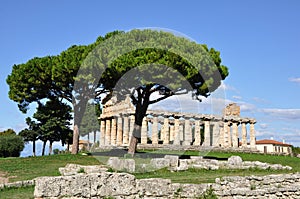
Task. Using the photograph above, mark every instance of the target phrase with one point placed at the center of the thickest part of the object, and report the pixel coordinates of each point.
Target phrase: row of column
(172, 131)
(117, 131)
(229, 135)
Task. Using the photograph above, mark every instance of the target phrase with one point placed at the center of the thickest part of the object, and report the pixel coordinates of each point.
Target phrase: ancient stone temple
(175, 128)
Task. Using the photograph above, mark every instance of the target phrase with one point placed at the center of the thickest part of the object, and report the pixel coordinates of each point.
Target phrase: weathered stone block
(121, 164)
(235, 161)
(173, 160)
(159, 163)
(183, 165)
(73, 169)
(154, 187)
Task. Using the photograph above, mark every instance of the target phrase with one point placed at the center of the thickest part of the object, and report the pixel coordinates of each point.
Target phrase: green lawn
(208, 176)
(31, 167)
(17, 193)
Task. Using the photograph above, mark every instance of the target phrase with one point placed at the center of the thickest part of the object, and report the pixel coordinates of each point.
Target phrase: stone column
(155, 130)
(221, 137)
(206, 133)
(107, 133)
(126, 130)
(229, 135)
(226, 138)
(172, 132)
(120, 131)
(131, 128)
(102, 133)
(181, 135)
(252, 134)
(166, 137)
(176, 132)
(144, 131)
(188, 138)
(244, 134)
(197, 133)
(215, 134)
(235, 134)
(113, 131)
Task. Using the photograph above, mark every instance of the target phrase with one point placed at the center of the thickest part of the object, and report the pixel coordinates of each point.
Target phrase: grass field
(31, 167)
(17, 193)
(28, 168)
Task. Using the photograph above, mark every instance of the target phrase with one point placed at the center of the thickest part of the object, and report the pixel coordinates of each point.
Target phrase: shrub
(11, 146)
(56, 151)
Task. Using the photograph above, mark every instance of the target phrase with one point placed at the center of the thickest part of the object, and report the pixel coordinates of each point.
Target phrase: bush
(11, 146)
(56, 151)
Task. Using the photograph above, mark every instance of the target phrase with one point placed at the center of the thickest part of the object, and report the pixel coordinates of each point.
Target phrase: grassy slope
(17, 193)
(29, 168)
(205, 176)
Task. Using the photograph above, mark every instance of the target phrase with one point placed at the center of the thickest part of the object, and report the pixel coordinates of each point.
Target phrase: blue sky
(259, 42)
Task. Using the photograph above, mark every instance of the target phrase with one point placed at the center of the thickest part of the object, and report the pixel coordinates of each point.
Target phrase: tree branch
(159, 99)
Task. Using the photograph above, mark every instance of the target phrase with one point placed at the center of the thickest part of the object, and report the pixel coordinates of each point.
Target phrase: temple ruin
(161, 128)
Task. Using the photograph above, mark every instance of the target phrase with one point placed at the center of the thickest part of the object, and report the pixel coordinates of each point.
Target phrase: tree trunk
(50, 147)
(68, 147)
(79, 110)
(134, 139)
(95, 137)
(140, 112)
(33, 148)
(75, 145)
(88, 147)
(44, 146)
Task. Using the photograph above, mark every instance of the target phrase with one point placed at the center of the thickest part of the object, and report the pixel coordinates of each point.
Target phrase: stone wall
(123, 185)
(17, 184)
(173, 163)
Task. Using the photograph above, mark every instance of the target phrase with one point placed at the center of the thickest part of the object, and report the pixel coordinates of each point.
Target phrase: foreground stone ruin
(124, 185)
(173, 163)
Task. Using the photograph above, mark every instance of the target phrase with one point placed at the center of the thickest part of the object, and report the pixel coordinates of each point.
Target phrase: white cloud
(17, 128)
(226, 87)
(295, 79)
(237, 97)
(247, 107)
(260, 100)
(286, 114)
(263, 125)
(294, 131)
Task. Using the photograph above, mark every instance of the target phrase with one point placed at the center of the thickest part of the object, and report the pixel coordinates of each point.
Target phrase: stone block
(235, 161)
(121, 164)
(69, 169)
(159, 163)
(173, 160)
(183, 165)
(73, 169)
(154, 187)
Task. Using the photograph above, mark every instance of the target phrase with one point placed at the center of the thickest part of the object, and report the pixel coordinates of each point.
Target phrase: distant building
(273, 147)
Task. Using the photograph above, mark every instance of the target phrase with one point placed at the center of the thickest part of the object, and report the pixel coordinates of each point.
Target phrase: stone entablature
(164, 128)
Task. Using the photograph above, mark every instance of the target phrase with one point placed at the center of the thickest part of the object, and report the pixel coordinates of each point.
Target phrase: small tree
(7, 132)
(90, 122)
(31, 133)
(54, 121)
(11, 144)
